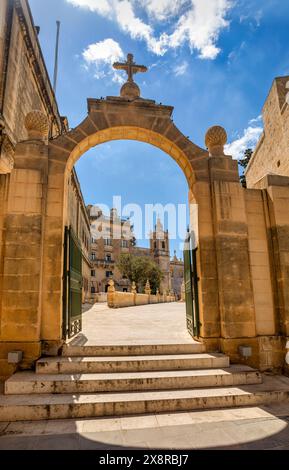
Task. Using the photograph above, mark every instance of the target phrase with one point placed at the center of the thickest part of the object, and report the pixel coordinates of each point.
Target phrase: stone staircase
(97, 381)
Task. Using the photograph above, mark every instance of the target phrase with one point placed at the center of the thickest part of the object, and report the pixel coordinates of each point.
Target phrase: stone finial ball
(36, 124)
(216, 136)
(130, 90)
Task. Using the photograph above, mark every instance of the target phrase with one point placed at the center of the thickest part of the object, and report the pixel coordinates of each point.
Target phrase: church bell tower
(160, 250)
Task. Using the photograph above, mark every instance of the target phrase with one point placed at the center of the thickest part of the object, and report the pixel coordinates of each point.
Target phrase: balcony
(103, 263)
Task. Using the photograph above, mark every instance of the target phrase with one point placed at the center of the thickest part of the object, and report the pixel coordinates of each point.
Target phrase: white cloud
(249, 14)
(134, 26)
(236, 53)
(181, 69)
(201, 27)
(249, 139)
(197, 23)
(99, 6)
(256, 120)
(162, 9)
(258, 17)
(101, 56)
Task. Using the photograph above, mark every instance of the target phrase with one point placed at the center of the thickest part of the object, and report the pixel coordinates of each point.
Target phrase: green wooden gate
(72, 289)
(191, 288)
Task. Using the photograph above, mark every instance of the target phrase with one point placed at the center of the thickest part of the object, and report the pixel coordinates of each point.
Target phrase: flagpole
(56, 57)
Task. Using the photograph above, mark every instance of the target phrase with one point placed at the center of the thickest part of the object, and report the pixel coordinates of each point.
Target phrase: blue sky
(213, 60)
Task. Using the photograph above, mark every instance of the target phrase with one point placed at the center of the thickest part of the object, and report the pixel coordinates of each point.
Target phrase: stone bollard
(134, 291)
(168, 296)
(158, 296)
(111, 294)
(287, 356)
(183, 292)
(148, 290)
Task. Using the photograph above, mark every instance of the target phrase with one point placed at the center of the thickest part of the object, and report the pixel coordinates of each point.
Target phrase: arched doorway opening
(127, 187)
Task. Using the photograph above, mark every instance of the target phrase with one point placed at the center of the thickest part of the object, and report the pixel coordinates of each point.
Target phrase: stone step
(66, 406)
(31, 383)
(87, 365)
(74, 350)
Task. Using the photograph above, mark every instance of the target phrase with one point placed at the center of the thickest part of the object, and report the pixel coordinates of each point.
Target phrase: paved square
(148, 324)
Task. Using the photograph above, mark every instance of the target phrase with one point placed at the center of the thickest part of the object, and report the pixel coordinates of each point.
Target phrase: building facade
(177, 276)
(271, 155)
(160, 253)
(79, 223)
(24, 81)
(111, 237)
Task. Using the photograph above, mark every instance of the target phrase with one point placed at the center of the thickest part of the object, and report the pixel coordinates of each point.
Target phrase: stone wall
(22, 260)
(24, 86)
(260, 262)
(269, 253)
(27, 84)
(268, 171)
(122, 299)
(21, 95)
(4, 186)
(233, 264)
(272, 152)
(101, 297)
(3, 22)
(129, 299)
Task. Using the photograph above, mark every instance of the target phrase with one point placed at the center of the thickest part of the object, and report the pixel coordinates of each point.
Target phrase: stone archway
(41, 171)
(143, 120)
(107, 120)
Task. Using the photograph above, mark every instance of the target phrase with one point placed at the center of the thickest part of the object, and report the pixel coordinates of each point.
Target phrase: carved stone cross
(130, 67)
